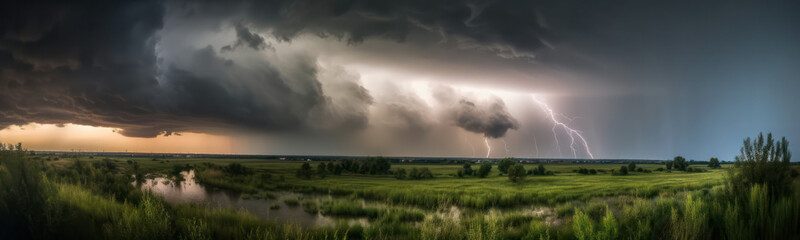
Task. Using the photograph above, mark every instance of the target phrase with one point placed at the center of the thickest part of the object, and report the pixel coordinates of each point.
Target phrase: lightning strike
(488, 147)
(506, 146)
(571, 132)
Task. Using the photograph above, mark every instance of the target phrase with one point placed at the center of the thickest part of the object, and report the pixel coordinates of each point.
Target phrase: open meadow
(373, 198)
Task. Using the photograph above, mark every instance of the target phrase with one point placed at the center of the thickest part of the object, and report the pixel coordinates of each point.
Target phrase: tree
(331, 167)
(337, 170)
(305, 171)
(679, 163)
(623, 170)
(321, 170)
(669, 164)
(714, 163)
(516, 173)
(504, 164)
(763, 162)
(632, 166)
(400, 173)
(540, 169)
(485, 169)
(467, 169)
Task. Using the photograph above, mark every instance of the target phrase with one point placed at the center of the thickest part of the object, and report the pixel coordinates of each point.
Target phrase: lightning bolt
(506, 146)
(488, 148)
(571, 132)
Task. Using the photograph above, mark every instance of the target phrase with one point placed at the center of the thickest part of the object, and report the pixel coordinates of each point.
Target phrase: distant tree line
(679, 163)
(482, 172)
(372, 166)
(414, 173)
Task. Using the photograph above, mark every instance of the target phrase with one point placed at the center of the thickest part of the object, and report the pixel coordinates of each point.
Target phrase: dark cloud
(509, 29)
(491, 120)
(487, 116)
(96, 64)
(244, 37)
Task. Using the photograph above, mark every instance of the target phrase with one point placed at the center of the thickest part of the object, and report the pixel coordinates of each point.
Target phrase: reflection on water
(186, 190)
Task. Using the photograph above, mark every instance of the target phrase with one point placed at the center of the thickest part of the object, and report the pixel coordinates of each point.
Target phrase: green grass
(654, 205)
(446, 189)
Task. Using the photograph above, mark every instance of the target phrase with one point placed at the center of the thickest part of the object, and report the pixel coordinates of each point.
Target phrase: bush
(764, 162)
(485, 169)
(420, 173)
(310, 206)
(516, 173)
(305, 171)
(679, 163)
(400, 173)
(714, 163)
(292, 201)
(504, 164)
(623, 170)
(236, 169)
(467, 169)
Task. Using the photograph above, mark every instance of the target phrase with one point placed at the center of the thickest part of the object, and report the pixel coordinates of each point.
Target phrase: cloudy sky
(583, 79)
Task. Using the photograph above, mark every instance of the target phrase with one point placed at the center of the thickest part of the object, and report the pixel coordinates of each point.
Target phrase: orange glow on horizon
(72, 137)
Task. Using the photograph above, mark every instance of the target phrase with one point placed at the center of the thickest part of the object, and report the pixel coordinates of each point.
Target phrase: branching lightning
(571, 132)
(488, 147)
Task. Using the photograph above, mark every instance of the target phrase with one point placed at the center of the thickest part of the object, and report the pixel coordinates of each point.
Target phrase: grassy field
(447, 189)
(99, 198)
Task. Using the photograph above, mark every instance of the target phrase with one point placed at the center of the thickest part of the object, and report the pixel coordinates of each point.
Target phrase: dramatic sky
(602, 79)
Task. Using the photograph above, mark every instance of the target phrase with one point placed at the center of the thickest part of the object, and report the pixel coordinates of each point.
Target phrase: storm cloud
(640, 79)
(116, 64)
(487, 115)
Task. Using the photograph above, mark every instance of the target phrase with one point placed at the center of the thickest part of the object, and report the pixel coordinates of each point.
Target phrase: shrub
(504, 164)
(235, 169)
(310, 206)
(321, 170)
(714, 163)
(292, 201)
(516, 173)
(679, 163)
(485, 169)
(420, 173)
(467, 169)
(400, 173)
(305, 171)
(764, 162)
(623, 170)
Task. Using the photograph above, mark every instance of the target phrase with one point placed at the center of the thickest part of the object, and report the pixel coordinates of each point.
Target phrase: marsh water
(184, 189)
(189, 191)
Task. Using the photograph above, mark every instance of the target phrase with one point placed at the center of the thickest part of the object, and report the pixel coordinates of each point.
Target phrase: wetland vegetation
(87, 197)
